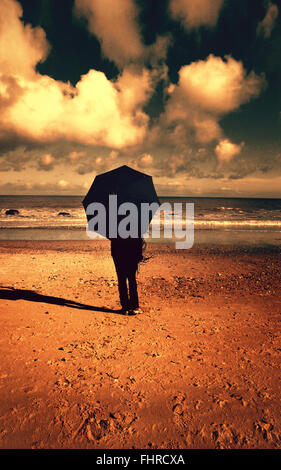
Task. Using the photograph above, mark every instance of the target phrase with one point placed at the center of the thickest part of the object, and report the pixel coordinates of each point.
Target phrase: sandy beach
(199, 368)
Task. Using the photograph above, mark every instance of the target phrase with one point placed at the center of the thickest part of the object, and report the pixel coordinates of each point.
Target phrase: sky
(188, 91)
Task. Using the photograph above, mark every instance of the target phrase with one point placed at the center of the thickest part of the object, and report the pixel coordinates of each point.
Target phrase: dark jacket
(127, 252)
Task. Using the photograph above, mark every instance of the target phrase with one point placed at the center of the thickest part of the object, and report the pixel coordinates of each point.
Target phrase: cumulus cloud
(226, 150)
(174, 164)
(74, 155)
(36, 107)
(46, 162)
(134, 89)
(49, 110)
(15, 160)
(206, 91)
(267, 24)
(217, 86)
(142, 162)
(116, 26)
(206, 129)
(21, 46)
(42, 187)
(146, 160)
(62, 184)
(98, 163)
(107, 113)
(194, 14)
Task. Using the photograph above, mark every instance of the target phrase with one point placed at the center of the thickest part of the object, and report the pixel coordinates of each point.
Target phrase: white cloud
(74, 155)
(62, 184)
(21, 46)
(115, 24)
(207, 90)
(173, 164)
(267, 24)
(146, 160)
(46, 161)
(142, 162)
(217, 86)
(36, 107)
(196, 13)
(49, 110)
(226, 150)
(98, 163)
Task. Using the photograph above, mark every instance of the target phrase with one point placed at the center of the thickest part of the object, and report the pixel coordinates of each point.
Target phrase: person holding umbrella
(127, 186)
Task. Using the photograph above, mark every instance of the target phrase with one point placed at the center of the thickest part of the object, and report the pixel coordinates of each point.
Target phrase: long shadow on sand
(10, 293)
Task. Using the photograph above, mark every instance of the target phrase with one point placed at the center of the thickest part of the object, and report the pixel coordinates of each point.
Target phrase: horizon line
(160, 196)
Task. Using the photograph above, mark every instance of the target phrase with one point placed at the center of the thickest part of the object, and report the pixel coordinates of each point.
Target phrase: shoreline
(103, 245)
(240, 238)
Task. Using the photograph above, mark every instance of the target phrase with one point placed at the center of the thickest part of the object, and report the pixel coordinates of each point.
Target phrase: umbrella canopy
(129, 186)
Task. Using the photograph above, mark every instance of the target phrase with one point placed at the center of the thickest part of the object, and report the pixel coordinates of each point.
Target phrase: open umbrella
(128, 186)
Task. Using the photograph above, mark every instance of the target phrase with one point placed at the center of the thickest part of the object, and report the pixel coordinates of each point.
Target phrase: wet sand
(199, 368)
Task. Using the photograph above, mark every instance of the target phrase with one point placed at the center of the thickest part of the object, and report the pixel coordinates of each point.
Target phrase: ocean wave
(238, 223)
(198, 225)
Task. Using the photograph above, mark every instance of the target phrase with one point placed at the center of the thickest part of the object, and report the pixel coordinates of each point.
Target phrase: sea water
(246, 221)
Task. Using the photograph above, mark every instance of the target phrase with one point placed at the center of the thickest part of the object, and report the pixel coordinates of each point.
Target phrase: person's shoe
(129, 312)
(125, 311)
(136, 311)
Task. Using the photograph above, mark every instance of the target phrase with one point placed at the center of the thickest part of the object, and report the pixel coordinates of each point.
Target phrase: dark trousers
(128, 293)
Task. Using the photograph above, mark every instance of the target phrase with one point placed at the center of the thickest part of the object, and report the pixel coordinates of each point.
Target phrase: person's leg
(133, 290)
(123, 291)
(122, 285)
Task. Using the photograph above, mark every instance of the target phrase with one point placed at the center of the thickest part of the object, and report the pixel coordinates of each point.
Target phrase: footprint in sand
(222, 435)
(198, 404)
(265, 429)
(29, 390)
(96, 426)
(178, 405)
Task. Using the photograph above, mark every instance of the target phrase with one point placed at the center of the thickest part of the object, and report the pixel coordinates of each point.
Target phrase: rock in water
(64, 214)
(12, 212)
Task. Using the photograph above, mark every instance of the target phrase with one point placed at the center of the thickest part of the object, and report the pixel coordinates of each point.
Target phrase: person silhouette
(127, 253)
